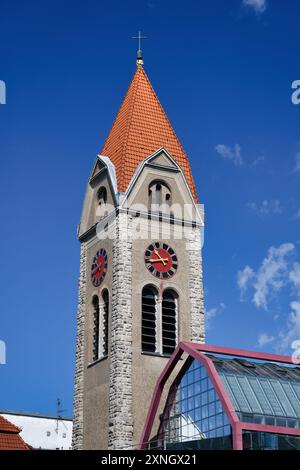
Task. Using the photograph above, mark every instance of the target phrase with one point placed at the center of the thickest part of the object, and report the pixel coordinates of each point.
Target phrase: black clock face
(99, 267)
(161, 260)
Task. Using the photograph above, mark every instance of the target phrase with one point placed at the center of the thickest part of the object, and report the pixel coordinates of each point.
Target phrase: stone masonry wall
(77, 437)
(196, 286)
(120, 395)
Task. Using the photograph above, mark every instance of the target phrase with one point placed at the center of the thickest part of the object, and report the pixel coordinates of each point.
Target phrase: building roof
(261, 388)
(141, 127)
(258, 391)
(9, 436)
(31, 414)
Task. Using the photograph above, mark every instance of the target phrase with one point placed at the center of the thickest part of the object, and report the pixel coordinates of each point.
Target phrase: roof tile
(141, 127)
(9, 436)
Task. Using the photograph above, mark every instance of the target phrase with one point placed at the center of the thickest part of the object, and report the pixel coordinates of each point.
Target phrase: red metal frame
(197, 351)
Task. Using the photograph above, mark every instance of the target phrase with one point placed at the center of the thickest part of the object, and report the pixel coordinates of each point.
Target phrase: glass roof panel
(268, 389)
(283, 398)
(237, 390)
(261, 396)
(292, 396)
(249, 394)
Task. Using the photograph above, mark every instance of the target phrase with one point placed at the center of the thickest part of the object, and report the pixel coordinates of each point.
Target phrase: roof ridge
(163, 110)
(136, 79)
(8, 427)
(117, 115)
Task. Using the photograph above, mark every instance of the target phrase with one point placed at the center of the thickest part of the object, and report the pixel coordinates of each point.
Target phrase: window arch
(159, 197)
(96, 322)
(101, 210)
(100, 325)
(159, 321)
(169, 321)
(102, 195)
(149, 319)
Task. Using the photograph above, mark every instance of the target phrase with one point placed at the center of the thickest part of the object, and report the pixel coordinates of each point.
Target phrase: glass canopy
(263, 393)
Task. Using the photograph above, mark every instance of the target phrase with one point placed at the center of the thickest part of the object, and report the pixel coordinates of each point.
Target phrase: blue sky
(223, 71)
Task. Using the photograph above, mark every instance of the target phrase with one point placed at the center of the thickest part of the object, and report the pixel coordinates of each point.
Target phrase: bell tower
(140, 284)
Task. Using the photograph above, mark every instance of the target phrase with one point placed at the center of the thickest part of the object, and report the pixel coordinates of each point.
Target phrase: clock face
(99, 267)
(161, 260)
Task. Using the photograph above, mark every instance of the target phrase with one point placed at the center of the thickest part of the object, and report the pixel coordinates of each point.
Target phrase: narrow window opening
(169, 321)
(96, 320)
(105, 297)
(102, 196)
(159, 197)
(149, 300)
(101, 210)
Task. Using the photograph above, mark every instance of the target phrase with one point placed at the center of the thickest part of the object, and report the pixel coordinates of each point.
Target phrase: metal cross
(139, 37)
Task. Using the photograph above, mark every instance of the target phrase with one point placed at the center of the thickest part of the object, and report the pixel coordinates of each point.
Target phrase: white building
(41, 431)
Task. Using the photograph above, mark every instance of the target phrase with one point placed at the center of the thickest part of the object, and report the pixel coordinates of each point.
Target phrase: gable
(102, 181)
(181, 201)
(98, 168)
(162, 159)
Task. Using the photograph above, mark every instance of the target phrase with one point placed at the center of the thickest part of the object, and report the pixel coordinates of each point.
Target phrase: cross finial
(139, 59)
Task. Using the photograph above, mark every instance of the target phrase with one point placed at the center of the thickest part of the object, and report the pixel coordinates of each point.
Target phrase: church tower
(140, 285)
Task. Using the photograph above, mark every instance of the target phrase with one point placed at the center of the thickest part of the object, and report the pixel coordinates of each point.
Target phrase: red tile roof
(140, 128)
(9, 436)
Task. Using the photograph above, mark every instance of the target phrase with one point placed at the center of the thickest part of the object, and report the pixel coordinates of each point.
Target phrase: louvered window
(96, 321)
(105, 298)
(149, 318)
(159, 321)
(159, 197)
(169, 307)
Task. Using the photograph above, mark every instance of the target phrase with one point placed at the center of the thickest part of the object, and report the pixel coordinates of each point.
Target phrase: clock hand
(160, 258)
(149, 260)
(98, 268)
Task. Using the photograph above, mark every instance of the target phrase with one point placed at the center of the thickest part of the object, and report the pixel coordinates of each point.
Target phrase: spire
(139, 57)
(140, 128)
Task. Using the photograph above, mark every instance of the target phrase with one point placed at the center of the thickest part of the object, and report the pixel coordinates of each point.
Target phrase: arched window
(102, 195)
(105, 298)
(159, 197)
(149, 318)
(101, 210)
(100, 325)
(96, 322)
(169, 321)
(159, 321)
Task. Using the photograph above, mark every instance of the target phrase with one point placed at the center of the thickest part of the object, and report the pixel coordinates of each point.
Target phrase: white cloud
(244, 277)
(266, 207)
(276, 271)
(264, 339)
(212, 313)
(230, 153)
(295, 277)
(270, 277)
(257, 161)
(271, 274)
(292, 331)
(259, 6)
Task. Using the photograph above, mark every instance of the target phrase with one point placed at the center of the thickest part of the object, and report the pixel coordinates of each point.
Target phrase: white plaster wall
(35, 429)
